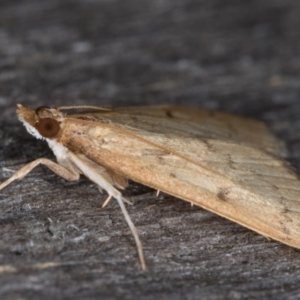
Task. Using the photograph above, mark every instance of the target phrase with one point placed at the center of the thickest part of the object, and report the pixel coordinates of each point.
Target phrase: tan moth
(226, 164)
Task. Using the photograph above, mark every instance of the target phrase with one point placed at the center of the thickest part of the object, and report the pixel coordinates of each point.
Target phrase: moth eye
(41, 108)
(47, 127)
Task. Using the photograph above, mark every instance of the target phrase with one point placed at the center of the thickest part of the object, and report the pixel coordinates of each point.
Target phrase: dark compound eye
(47, 127)
(41, 108)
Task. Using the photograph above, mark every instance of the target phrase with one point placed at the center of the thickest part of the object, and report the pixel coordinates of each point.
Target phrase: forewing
(232, 178)
(193, 123)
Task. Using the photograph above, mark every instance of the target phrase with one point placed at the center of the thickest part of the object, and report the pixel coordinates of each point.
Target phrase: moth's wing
(194, 123)
(243, 184)
(240, 182)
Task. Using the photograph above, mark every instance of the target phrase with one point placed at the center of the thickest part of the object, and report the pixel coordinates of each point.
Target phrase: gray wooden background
(55, 240)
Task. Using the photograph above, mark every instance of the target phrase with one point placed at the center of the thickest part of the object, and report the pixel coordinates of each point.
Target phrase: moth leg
(109, 198)
(134, 232)
(106, 201)
(56, 168)
(86, 167)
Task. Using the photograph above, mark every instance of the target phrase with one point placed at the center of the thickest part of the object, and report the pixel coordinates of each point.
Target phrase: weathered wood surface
(55, 240)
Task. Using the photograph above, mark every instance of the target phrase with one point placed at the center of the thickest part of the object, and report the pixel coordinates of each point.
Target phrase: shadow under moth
(226, 164)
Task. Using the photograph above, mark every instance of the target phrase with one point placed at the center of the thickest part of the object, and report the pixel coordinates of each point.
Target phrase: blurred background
(236, 56)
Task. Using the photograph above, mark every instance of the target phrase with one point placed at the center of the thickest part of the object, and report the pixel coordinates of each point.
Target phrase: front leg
(56, 168)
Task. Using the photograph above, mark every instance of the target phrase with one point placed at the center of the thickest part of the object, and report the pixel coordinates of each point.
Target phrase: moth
(229, 165)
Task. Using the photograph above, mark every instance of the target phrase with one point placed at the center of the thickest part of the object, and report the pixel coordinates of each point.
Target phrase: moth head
(43, 122)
